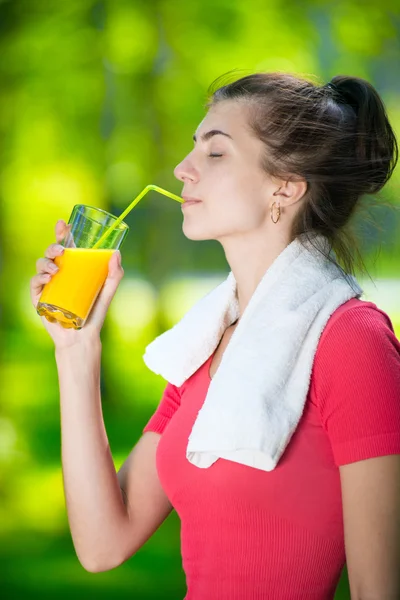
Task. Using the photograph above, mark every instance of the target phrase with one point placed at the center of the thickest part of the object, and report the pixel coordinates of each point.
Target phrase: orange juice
(75, 287)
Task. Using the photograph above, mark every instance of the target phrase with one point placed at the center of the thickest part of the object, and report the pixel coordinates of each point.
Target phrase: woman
(275, 157)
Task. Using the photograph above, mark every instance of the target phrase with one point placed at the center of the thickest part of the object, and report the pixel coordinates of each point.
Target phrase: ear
(291, 191)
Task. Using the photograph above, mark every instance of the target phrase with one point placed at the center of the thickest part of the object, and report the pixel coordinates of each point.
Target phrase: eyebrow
(209, 134)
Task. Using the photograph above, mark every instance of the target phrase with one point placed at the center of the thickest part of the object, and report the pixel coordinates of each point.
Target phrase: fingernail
(119, 257)
(60, 249)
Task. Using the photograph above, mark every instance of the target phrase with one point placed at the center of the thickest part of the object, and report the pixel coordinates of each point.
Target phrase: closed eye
(215, 155)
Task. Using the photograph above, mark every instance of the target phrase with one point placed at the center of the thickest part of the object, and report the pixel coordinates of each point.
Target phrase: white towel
(256, 398)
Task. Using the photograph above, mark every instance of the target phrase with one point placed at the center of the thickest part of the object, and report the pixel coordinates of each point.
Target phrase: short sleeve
(357, 385)
(168, 405)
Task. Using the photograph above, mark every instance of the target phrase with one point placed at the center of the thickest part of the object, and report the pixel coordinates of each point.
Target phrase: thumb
(61, 230)
(107, 293)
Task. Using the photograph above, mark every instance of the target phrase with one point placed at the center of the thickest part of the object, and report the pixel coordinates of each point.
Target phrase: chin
(195, 233)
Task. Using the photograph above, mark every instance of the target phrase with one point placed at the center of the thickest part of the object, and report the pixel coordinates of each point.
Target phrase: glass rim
(105, 212)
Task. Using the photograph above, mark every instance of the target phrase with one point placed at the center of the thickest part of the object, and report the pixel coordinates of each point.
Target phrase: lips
(190, 200)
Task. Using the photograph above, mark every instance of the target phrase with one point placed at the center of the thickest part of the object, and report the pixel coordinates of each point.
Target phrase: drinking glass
(71, 293)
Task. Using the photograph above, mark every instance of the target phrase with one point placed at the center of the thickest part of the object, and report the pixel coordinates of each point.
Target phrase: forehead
(228, 116)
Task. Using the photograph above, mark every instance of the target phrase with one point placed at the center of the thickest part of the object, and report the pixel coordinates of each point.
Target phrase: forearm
(96, 512)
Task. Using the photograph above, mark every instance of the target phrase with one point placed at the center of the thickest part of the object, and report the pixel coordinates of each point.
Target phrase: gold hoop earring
(279, 213)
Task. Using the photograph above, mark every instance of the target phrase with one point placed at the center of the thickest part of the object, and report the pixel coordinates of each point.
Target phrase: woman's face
(235, 192)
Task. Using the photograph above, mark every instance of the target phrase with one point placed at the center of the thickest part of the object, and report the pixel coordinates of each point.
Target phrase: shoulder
(355, 315)
(357, 332)
(356, 382)
(358, 353)
(358, 337)
(168, 405)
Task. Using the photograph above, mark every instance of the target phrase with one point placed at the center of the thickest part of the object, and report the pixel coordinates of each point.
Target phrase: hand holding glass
(83, 267)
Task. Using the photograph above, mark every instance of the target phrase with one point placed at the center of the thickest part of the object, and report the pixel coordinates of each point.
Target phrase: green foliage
(98, 99)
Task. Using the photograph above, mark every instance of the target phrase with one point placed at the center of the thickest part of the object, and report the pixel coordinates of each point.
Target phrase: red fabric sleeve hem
(368, 447)
(157, 424)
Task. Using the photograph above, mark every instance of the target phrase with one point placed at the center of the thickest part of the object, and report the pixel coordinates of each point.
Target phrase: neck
(249, 266)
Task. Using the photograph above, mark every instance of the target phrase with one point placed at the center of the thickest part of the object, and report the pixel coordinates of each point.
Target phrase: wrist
(86, 347)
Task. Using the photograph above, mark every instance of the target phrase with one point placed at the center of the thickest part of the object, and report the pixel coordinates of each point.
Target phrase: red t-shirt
(248, 534)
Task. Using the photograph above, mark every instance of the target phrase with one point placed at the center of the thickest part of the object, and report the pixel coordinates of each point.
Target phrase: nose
(185, 170)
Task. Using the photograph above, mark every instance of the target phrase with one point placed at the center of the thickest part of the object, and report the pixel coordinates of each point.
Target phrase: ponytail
(375, 144)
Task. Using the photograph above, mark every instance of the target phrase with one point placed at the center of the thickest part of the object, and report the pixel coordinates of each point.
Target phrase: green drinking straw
(135, 201)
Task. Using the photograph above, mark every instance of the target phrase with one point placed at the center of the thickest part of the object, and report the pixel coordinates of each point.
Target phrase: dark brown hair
(336, 136)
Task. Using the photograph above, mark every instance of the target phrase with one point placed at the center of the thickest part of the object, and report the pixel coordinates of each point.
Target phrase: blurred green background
(97, 100)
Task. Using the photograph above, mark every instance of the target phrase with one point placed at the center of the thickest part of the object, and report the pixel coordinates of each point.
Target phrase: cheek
(235, 211)
(238, 193)
(238, 180)
(232, 203)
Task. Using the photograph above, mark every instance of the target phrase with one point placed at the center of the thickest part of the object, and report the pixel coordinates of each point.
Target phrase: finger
(61, 230)
(107, 293)
(63, 234)
(37, 284)
(54, 250)
(46, 265)
(115, 274)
